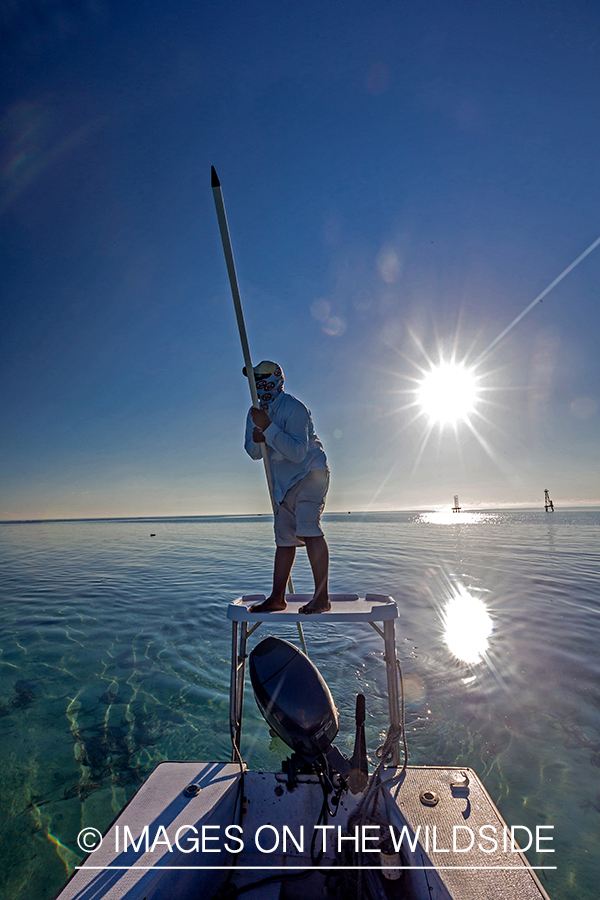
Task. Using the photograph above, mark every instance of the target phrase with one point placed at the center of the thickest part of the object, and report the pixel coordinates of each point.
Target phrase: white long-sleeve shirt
(293, 448)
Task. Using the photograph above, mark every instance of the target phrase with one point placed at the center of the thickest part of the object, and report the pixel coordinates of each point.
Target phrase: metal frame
(240, 632)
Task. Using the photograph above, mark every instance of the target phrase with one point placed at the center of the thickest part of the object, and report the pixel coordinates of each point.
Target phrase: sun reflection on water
(446, 517)
(467, 627)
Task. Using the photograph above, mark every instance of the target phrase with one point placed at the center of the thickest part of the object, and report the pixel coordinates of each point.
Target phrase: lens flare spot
(583, 407)
(334, 326)
(415, 691)
(389, 265)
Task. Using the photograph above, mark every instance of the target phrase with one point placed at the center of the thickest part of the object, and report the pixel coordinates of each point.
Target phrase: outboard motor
(294, 699)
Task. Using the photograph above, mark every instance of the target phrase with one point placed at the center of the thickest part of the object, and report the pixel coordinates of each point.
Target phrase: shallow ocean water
(115, 654)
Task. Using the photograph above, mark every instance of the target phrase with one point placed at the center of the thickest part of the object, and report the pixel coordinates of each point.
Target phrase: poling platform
(374, 609)
(344, 608)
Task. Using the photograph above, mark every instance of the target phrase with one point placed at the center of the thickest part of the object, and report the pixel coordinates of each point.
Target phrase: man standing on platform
(300, 481)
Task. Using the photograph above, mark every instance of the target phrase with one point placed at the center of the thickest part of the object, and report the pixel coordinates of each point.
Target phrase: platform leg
(241, 674)
(236, 685)
(389, 638)
(233, 687)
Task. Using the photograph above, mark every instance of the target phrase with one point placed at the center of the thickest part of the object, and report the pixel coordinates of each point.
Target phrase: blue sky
(401, 180)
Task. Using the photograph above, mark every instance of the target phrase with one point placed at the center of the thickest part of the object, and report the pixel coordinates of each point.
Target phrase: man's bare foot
(316, 605)
(271, 604)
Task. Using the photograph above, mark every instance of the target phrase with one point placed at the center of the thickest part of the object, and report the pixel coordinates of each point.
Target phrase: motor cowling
(293, 697)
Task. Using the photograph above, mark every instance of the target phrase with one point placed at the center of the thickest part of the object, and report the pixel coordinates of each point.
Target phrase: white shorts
(299, 513)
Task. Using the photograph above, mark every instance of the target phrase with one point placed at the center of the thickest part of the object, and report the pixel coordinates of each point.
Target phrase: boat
(323, 826)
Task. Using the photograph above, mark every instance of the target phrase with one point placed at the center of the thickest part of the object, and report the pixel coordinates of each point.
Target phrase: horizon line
(568, 504)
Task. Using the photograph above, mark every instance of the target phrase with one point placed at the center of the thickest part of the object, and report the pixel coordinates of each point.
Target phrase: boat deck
(433, 865)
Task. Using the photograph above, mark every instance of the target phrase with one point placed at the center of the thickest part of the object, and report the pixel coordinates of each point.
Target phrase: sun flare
(448, 393)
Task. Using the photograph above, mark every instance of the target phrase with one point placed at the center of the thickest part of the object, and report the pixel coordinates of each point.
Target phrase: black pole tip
(214, 178)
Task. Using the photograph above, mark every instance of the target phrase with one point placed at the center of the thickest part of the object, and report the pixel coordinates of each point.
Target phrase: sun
(448, 393)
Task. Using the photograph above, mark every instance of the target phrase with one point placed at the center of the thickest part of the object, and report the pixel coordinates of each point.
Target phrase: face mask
(269, 387)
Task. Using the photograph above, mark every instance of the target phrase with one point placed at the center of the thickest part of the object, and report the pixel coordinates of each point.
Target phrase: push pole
(239, 314)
